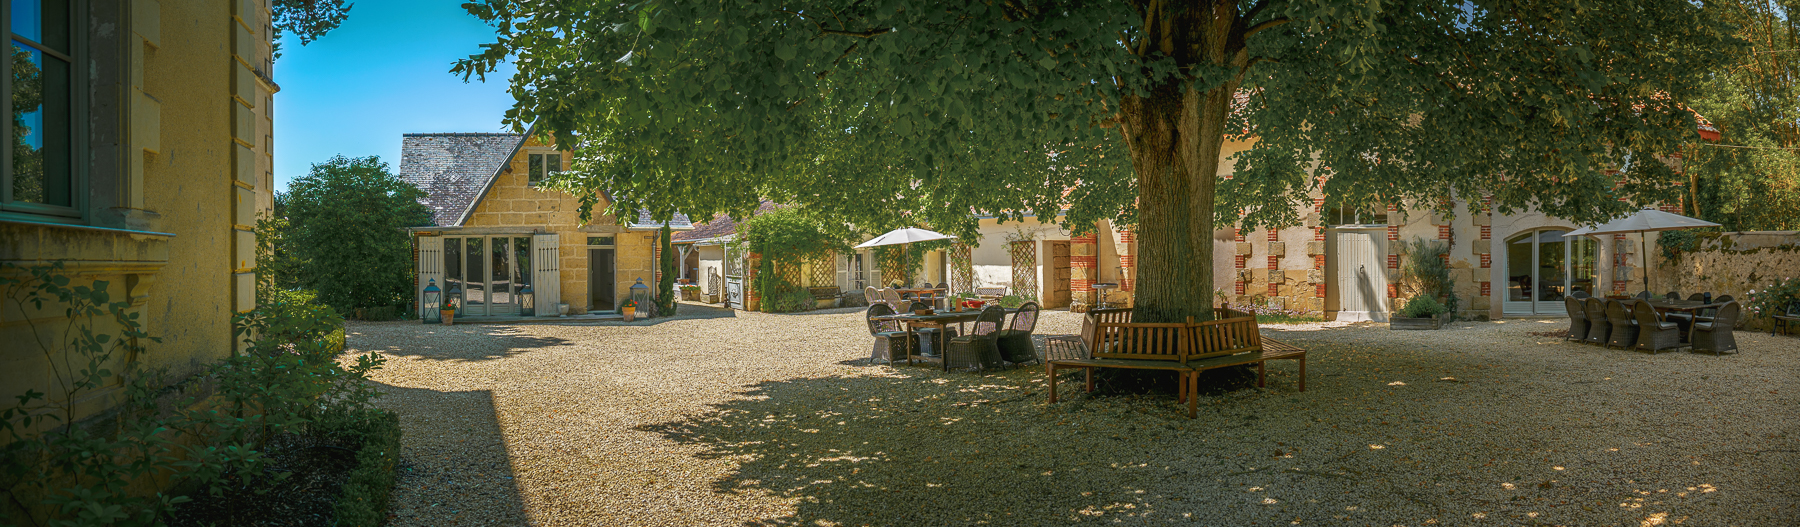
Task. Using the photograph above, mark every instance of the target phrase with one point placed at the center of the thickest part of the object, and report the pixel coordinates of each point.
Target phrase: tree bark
(1175, 132)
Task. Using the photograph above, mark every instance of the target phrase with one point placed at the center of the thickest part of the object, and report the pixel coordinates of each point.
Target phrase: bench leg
(1052, 370)
(1181, 388)
(1303, 373)
(1259, 373)
(1089, 373)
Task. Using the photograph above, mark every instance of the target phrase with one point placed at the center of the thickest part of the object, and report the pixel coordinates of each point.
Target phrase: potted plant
(629, 309)
(448, 312)
(1422, 312)
(690, 292)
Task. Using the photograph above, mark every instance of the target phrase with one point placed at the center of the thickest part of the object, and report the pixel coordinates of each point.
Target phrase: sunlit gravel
(757, 419)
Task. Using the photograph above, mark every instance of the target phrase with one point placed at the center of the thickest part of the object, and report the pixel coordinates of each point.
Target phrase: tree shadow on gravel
(458, 343)
(454, 467)
(921, 447)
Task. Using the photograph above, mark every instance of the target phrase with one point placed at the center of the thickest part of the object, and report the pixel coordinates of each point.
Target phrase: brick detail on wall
(1393, 233)
(1274, 235)
(1319, 261)
(1393, 290)
(1237, 234)
(1393, 261)
(1487, 289)
(1487, 232)
(1274, 262)
(1319, 290)
(1238, 288)
(1274, 289)
(1127, 236)
(1443, 232)
(1318, 234)
(1487, 260)
(1318, 204)
(1240, 261)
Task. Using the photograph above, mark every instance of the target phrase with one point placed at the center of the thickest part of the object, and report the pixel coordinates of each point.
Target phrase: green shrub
(1773, 299)
(1422, 307)
(1013, 301)
(364, 497)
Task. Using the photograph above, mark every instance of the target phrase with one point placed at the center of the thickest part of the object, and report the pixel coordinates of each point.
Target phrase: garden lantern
(527, 304)
(454, 298)
(640, 295)
(433, 298)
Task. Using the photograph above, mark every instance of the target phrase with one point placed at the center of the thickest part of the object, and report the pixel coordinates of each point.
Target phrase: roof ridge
(456, 134)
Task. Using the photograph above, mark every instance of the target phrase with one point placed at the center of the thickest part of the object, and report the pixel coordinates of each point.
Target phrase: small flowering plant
(1775, 299)
(450, 305)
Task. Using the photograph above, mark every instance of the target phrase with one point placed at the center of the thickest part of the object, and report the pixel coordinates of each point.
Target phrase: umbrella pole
(1644, 258)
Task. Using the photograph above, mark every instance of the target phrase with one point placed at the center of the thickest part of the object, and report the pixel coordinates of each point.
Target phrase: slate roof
(677, 222)
(453, 168)
(720, 225)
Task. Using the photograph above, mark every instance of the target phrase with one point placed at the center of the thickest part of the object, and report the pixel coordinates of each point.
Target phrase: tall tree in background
(889, 111)
(665, 285)
(347, 223)
(1750, 178)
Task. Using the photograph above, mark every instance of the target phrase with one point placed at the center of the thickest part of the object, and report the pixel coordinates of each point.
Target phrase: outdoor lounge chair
(1015, 341)
(1655, 334)
(980, 349)
(1598, 326)
(1715, 336)
(892, 342)
(1624, 327)
(1578, 323)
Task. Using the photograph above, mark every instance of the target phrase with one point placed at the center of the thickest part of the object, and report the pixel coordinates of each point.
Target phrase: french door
(486, 272)
(1543, 268)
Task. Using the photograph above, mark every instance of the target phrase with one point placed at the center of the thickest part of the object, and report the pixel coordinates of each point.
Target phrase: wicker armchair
(872, 294)
(892, 342)
(1015, 341)
(931, 340)
(1715, 336)
(980, 349)
(1672, 296)
(1655, 334)
(1598, 326)
(1578, 323)
(1644, 295)
(1696, 297)
(892, 298)
(1624, 328)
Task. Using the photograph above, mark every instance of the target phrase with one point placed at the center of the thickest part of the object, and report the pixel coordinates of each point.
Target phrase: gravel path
(756, 419)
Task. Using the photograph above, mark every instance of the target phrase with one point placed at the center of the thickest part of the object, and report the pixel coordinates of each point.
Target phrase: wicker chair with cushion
(1672, 296)
(873, 295)
(1578, 324)
(1624, 327)
(1644, 295)
(980, 349)
(1715, 336)
(1654, 333)
(892, 342)
(893, 298)
(1598, 326)
(1696, 297)
(1015, 341)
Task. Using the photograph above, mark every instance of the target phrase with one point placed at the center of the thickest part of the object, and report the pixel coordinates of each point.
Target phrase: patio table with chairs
(992, 343)
(1654, 323)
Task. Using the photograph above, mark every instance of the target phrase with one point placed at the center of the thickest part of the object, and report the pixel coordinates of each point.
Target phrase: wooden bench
(823, 293)
(1783, 321)
(1234, 339)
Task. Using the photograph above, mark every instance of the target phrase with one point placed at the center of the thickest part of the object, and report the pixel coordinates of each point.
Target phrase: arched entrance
(1543, 267)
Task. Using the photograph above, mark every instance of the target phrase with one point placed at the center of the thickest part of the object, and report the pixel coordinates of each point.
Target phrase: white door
(546, 280)
(1361, 286)
(431, 270)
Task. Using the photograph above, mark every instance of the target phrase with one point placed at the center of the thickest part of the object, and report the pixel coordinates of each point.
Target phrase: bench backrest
(1141, 341)
(1226, 336)
(1097, 316)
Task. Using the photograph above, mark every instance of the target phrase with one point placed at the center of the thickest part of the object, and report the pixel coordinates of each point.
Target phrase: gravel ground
(757, 419)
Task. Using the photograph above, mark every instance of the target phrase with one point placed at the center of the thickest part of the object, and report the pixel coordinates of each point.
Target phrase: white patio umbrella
(1647, 220)
(904, 236)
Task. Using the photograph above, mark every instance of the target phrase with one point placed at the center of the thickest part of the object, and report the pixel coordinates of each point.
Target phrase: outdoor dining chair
(1578, 323)
(893, 298)
(1015, 341)
(1598, 326)
(1710, 313)
(1672, 295)
(1715, 336)
(871, 294)
(980, 349)
(1696, 297)
(1624, 328)
(892, 342)
(931, 340)
(1655, 334)
(1644, 295)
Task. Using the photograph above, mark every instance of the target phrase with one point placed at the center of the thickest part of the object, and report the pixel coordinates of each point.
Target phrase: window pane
(552, 164)
(1518, 268)
(42, 21)
(1550, 266)
(40, 103)
(475, 290)
(521, 262)
(600, 240)
(536, 170)
(502, 276)
(452, 266)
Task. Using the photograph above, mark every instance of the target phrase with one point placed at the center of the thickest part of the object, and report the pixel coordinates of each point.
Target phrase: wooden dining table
(938, 320)
(928, 295)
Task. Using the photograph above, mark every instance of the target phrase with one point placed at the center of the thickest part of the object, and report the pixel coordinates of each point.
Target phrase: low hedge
(363, 500)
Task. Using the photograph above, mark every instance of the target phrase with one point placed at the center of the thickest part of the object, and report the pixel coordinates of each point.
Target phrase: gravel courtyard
(758, 419)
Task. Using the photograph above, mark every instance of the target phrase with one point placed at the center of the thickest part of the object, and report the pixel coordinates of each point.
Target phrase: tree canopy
(1750, 178)
(346, 232)
(890, 112)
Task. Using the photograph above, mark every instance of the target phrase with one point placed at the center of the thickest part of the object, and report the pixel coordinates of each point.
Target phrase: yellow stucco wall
(183, 256)
(513, 202)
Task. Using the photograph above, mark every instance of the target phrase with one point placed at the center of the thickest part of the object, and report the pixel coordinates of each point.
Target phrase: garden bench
(824, 293)
(1187, 349)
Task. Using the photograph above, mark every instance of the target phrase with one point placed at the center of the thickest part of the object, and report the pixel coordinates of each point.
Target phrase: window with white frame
(543, 165)
(38, 171)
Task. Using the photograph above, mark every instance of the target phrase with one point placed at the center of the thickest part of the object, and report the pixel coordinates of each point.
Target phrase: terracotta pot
(448, 316)
(629, 312)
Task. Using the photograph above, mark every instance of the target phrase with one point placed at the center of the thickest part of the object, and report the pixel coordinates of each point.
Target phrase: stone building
(145, 167)
(498, 233)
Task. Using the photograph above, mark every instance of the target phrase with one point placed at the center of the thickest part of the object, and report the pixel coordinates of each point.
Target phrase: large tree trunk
(1175, 133)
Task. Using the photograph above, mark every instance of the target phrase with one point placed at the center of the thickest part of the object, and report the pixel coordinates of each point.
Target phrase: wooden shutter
(431, 269)
(546, 279)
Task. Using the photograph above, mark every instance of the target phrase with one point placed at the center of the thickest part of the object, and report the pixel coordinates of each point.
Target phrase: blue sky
(383, 73)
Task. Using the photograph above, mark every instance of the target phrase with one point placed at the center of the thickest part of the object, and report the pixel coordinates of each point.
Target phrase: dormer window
(543, 166)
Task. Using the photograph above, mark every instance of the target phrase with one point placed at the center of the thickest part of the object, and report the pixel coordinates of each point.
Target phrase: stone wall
(1728, 263)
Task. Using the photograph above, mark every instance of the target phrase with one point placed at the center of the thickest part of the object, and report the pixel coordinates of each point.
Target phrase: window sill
(85, 248)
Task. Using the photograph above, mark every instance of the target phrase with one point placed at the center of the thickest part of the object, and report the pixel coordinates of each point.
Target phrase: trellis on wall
(1024, 268)
(962, 268)
(822, 271)
(893, 265)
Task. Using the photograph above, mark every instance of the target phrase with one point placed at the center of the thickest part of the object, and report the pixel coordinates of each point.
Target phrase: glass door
(487, 273)
(1542, 268)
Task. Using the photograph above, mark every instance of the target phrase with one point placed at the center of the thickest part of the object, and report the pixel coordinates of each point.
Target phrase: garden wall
(1731, 263)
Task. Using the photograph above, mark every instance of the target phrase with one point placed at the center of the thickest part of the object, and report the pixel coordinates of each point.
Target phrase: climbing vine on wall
(962, 268)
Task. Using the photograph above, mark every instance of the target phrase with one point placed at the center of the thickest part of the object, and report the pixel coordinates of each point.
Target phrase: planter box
(1408, 323)
(691, 295)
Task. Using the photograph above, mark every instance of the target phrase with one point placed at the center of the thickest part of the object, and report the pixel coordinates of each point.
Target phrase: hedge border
(363, 499)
